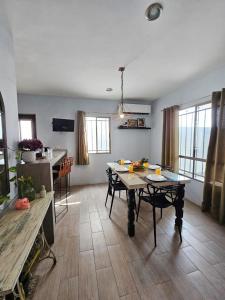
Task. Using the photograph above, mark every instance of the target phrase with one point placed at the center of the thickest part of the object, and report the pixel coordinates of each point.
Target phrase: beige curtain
(214, 186)
(170, 138)
(82, 148)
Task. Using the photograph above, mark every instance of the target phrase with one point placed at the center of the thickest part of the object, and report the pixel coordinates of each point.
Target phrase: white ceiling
(74, 47)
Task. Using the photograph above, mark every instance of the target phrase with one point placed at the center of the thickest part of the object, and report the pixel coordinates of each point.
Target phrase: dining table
(139, 179)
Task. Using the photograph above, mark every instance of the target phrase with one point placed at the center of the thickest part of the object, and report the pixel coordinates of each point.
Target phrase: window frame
(100, 117)
(193, 157)
(32, 118)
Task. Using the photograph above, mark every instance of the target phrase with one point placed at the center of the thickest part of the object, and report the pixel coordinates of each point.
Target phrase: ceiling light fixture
(108, 89)
(153, 11)
(121, 69)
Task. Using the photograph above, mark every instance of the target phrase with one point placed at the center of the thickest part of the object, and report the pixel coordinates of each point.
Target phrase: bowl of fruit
(140, 164)
(137, 165)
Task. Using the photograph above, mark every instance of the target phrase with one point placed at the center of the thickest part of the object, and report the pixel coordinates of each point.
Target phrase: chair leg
(119, 194)
(154, 221)
(66, 193)
(111, 203)
(127, 195)
(138, 209)
(107, 196)
(60, 188)
(161, 213)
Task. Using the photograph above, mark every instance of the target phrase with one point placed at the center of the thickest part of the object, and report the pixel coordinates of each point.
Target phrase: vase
(29, 156)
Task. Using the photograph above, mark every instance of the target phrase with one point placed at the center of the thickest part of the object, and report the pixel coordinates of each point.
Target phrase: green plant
(3, 199)
(14, 171)
(25, 188)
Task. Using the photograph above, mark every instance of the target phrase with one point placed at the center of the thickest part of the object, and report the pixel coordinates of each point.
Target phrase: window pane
(103, 134)
(186, 166)
(187, 111)
(186, 134)
(199, 170)
(91, 134)
(26, 129)
(203, 128)
(194, 131)
(98, 135)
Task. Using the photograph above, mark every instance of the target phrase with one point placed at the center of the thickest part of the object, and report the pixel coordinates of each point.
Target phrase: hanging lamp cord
(122, 89)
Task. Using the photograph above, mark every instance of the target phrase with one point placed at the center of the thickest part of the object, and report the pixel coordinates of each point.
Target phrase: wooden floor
(97, 260)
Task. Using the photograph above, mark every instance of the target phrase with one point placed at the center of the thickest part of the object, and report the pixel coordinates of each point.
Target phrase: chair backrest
(169, 191)
(65, 167)
(112, 177)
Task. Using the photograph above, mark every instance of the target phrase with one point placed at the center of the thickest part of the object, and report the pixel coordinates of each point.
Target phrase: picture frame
(132, 123)
(141, 122)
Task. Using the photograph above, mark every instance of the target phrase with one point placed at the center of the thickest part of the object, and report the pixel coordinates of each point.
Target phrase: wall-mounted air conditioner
(141, 109)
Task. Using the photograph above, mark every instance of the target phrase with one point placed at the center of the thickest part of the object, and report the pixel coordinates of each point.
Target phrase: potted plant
(29, 148)
(26, 188)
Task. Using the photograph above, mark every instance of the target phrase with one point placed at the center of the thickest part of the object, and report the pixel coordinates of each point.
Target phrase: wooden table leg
(131, 207)
(179, 204)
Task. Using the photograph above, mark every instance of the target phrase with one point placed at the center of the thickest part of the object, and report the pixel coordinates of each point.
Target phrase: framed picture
(132, 123)
(141, 122)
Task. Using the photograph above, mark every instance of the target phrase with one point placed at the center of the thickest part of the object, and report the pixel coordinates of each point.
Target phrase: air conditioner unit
(136, 109)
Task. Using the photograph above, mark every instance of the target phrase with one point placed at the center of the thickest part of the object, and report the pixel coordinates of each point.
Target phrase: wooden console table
(18, 231)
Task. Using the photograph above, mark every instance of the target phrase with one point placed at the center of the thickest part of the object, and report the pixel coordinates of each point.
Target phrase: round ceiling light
(153, 11)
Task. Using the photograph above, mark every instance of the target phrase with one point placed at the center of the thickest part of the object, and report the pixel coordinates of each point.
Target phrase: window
(98, 135)
(194, 133)
(27, 127)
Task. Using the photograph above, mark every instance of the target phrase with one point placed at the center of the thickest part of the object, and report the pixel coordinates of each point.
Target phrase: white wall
(8, 85)
(192, 91)
(128, 144)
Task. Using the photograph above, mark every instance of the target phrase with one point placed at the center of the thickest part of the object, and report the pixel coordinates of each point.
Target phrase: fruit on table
(136, 164)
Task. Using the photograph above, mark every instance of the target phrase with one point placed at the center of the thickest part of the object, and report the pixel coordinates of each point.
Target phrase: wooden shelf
(125, 127)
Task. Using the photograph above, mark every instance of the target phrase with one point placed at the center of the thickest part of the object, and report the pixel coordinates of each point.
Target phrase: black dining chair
(162, 197)
(114, 184)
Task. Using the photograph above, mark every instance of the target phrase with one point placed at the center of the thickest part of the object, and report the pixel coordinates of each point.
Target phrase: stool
(64, 169)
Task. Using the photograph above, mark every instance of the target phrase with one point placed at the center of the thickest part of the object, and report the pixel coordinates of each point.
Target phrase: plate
(155, 177)
(121, 169)
(153, 167)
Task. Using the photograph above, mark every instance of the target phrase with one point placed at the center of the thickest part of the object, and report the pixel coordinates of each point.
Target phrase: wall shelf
(125, 127)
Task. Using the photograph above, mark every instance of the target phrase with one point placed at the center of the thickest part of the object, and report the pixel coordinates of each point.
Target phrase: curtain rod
(192, 102)
(101, 113)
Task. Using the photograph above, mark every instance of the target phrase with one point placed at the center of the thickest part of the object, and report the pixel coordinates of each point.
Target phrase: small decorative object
(22, 204)
(25, 188)
(43, 192)
(29, 148)
(124, 124)
(141, 122)
(132, 123)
